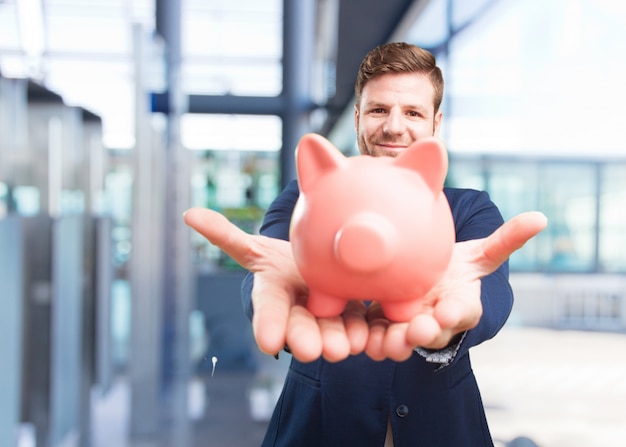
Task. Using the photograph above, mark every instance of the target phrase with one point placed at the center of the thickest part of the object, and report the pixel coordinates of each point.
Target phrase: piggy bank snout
(365, 243)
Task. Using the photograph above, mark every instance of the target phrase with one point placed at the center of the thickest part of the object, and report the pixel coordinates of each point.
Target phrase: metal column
(162, 251)
(177, 263)
(298, 55)
(145, 359)
(12, 280)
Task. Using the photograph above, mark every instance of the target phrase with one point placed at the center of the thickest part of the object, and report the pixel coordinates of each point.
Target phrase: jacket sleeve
(475, 217)
(275, 224)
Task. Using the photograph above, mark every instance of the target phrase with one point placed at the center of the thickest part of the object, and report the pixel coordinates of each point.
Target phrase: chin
(391, 153)
(385, 153)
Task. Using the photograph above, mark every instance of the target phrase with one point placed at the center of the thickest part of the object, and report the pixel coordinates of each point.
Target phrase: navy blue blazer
(430, 405)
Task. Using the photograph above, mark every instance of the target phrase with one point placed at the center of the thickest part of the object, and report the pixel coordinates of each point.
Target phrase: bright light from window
(543, 78)
(231, 132)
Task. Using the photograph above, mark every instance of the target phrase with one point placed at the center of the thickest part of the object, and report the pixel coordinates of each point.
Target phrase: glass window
(516, 82)
(240, 185)
(231, 132)
(517, 86)
(243, 78)
(612, 236)
(514, 187)
(567, 195)
(232, 47)
(466, 172)
(4, 200)
(431, 27)
(235, 171)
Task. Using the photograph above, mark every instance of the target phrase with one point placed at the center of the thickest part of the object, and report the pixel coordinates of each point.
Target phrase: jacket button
(402, 411)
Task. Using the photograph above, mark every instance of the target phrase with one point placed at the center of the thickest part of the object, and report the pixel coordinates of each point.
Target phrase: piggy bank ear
(429, 158)
(315, 156)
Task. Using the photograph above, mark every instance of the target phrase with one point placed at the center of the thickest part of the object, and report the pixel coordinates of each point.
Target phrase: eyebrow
(376, 104)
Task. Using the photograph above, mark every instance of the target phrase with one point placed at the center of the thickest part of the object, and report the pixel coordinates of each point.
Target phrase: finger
(423, 330)
(335, 344)
(271, 305)
(218, 230)
(356, 326)
(375, 312)
(441, 341)
(511, 236)
(375, 342)
(303, 335)
(459, 314)
(395, 344)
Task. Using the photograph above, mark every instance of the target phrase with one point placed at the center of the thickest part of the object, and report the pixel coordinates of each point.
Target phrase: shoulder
(287, 198)
(464, 197)
(278, 216)
(289, 194)
(475, 215)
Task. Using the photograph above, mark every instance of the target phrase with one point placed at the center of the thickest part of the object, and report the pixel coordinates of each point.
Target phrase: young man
(359, 379)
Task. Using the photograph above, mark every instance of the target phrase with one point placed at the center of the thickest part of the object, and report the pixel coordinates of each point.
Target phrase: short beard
(365, 150)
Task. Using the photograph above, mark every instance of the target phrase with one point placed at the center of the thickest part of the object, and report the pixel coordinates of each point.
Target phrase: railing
(580, 302)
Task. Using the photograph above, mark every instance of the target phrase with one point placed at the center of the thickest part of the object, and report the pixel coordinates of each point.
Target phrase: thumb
(218, 230)
(512, 236)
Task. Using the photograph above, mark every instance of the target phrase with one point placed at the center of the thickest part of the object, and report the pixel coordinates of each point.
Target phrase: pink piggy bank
(371, 228)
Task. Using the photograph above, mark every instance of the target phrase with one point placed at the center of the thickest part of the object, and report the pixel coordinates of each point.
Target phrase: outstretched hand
(279, 294)
(453, 305)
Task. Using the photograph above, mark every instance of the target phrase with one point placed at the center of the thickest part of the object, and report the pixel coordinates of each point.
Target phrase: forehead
(409, 88)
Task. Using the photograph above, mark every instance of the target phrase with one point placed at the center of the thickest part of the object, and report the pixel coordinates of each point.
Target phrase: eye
(377, 111)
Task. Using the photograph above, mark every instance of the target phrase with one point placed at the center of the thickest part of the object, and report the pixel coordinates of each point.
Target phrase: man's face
(396, 109)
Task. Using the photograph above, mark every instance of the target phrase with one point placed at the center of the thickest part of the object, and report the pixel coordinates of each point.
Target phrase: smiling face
(395, 110)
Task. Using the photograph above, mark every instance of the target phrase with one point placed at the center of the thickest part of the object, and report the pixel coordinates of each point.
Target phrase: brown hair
(399, 57)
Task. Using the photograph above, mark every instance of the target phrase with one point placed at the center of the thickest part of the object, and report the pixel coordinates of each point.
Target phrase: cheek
(426, 129)
(367, 128)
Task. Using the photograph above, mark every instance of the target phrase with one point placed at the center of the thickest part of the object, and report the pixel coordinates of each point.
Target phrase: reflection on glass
(27, 200)
(240, 184)
(583, 201)
(569, 197)
(4, 199)
(612, 238)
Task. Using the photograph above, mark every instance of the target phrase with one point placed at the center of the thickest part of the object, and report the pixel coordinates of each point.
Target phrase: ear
(437, 123)
(429, 158)
(315, 155)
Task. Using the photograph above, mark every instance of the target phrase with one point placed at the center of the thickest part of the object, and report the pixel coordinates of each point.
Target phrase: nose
(394, 125)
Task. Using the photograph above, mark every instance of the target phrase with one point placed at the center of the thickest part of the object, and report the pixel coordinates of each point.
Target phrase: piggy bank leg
(323, 305)
(401, 311)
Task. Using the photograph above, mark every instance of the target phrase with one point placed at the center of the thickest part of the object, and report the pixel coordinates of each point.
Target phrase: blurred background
(122, 328)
